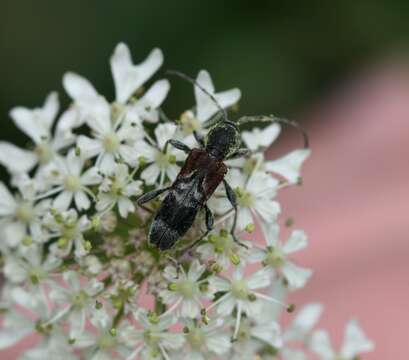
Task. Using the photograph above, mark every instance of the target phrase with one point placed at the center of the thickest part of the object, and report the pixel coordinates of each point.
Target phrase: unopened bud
(249, 228)
(153, 318)
(289, 222)
(252, 297)
(27, 240)
(223, 233)
(234, 258)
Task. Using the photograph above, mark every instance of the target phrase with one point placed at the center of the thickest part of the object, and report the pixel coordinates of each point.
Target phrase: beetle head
(222, 140)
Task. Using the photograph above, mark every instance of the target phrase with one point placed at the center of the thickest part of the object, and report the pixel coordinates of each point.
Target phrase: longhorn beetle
(199, 177)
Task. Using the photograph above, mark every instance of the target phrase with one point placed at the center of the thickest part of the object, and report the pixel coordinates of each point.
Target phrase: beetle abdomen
(172, 221)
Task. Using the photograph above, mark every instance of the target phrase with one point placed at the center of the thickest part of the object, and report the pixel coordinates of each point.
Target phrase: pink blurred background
(354, 206)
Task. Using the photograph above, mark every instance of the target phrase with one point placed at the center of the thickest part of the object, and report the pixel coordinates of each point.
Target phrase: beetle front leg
(231, 196)
(150, 196)
(178, 145)
(199, 138)
(244, 152)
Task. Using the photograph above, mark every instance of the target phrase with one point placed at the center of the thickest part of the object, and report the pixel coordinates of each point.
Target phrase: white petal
(81, 200)
(10, 337)
(244, 218)
(190, 309)
(156, 94)
(355, 341)
(25, 121)
(320, 343)
(261, 137)
(74, 163)
(16, 160)
(99, 117)
(289, 166)
(296, 242)
(89, 147)
(260, 279)
(196, 270)
(7, 203)
(14, 233)
(14, 271)
(150, 174)
(125, 206)
(268, 210)
(205, 106)
(73, 280)
(228, 98)
(225, 308)
(271, 233)
(164, 132)
(107, 164)
(79, 88)
(296, 276)
(63, 201)
(91, 177)
(50, 109)
(303, 323)
(218, 343)
(70, 119)
(129, 77)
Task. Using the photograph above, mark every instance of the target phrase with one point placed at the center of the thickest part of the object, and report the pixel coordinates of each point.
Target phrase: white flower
(113, 139)
(79, 296)
(117, 189)
(68, 229)
(154, 340)
(255, 197)
(30, 264)
(205, 106)
(35, 316)
(72, 182)
(20, 215)
(37, 125)
(288, 166)
(161, 162)
(275, 255)
(54, 346)
(239, 293)
(128, 78)
(261, 138)
(103, 343)
(206, 341)
(302, 324)
(223, 249)
(355, 343)
(184, 290)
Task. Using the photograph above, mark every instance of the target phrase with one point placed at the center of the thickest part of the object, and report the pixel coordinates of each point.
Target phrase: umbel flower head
(78, 267)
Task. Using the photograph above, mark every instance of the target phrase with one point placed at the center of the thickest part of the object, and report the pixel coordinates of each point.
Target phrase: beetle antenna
(274, 119)
(195, 83)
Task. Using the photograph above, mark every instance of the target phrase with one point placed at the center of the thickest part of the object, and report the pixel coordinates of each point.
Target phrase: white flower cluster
(78, 269)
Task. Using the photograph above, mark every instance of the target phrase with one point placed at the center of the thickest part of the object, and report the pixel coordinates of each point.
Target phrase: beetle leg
(150, 196)
(209, 218)
(231, 196)
(209, 227)
(178, 145)
(240, 153)
(199, 138)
